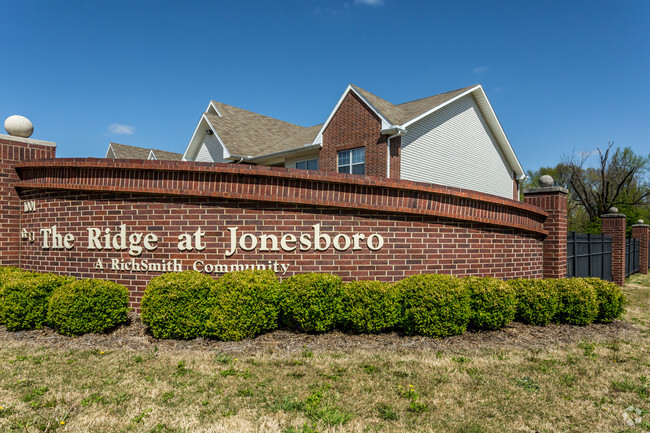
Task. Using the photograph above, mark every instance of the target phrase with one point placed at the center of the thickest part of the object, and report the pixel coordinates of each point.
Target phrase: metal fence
(632, 253)
(589, 255)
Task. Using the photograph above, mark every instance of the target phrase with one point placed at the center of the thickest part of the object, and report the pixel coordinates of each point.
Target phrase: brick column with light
(553, 200)
(640, 231)
(613, 224)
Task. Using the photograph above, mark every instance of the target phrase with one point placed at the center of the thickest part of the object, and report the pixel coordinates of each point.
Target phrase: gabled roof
(403, 115)
(244, 133)
(164, 155)
(123, 151)
(400, 114)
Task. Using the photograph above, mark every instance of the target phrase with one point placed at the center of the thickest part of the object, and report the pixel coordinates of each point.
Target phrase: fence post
(640, 232)
(613, 224)
(553, 200)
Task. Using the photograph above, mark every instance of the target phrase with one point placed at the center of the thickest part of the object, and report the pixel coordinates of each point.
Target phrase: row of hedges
(245, 304)
(30, 300)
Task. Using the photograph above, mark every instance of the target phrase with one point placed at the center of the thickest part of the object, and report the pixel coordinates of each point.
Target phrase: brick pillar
(552, 200)
(640, 231)
(614, 225)
(395, 157)
(13, 150)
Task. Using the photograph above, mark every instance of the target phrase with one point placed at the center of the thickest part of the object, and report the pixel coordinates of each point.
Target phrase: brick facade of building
(355, 125)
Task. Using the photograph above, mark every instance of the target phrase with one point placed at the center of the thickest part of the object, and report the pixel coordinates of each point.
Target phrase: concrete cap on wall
(612, 212)
(19, 126)
(546, 187)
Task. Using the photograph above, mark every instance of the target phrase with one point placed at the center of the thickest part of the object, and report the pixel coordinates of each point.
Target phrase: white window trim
(351, 164)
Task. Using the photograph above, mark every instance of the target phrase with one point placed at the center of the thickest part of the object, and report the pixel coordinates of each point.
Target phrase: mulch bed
(514, 336)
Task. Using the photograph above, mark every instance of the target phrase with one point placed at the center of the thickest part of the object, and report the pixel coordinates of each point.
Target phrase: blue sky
(562, 76)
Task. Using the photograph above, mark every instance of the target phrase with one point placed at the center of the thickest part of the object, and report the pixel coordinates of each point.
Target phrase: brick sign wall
(411, 244)
(128, 221)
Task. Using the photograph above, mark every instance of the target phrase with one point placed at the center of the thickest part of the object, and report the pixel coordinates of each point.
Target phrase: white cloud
(118, 128)
(480, 69)
(369, 2)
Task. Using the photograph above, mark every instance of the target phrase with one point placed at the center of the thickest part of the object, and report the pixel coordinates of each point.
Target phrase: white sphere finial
(19, 126)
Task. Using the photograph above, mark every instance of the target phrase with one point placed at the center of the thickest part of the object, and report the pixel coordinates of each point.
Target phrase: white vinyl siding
(210, 150)
(455, 147)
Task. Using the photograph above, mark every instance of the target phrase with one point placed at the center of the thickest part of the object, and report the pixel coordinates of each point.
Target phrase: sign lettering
(136, 243)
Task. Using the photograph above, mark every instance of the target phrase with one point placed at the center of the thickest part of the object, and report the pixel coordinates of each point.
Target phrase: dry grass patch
(518, 382)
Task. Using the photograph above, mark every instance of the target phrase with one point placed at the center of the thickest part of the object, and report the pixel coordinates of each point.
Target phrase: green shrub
(10, 272)
(310, 302)
(493, 303)
(87, 306)
(369, 306)
(242, 305)
(578, 302)
(9, 275)
(174, 305)
(537, 300)
(434, 305)
(25, 300)
(610, 299)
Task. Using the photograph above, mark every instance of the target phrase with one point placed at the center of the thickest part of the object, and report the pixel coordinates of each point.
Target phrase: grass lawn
(584, 386)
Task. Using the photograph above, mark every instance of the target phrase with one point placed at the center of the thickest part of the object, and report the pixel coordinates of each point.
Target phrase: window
(353, 161)
(310, 164)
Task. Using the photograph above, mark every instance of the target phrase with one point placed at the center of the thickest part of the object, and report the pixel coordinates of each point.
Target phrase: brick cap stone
(27, 140)
(640, 225)
(546, 190)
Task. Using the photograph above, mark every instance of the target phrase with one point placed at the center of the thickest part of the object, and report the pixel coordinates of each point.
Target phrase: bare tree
(618, 180)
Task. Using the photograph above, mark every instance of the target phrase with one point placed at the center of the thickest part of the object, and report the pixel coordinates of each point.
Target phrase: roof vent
(19, 126)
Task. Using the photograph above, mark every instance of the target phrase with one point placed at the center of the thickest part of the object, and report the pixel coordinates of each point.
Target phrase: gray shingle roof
(123, 151)
(246, 133)
(165, 155)
(402, 113)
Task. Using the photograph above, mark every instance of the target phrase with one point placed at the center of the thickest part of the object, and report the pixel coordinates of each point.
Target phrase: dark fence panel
(589, 255)
(632, 253)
